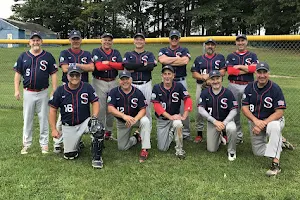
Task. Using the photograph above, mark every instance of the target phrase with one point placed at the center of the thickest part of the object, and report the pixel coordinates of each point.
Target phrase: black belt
(140, 82)
(179, 79)
(34, 90)
(104, 79)
(239, 82)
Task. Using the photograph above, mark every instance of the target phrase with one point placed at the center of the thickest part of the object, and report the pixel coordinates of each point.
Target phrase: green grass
(202, 175)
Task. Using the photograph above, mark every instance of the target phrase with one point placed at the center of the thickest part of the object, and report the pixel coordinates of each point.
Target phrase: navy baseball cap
(35, 34)
(241, 36)
(169, 67)
(74, 68)
(107, 35)
(214, 73)
(74, 34)
(210, 40)
(262, 66)
(139, 35)
(174, 33)
(125, 74)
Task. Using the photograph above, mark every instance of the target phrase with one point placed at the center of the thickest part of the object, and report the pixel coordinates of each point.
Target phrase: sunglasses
(72, 75)
(174, 37)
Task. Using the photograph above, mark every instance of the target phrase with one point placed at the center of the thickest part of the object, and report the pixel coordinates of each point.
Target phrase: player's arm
(241, 69)
(133, 66)
(17, 81)
(188, 107)
(259, 124)
(64, 67)
(166, 60)
(230, 116)
(140, 114)
(161, 111)
(95, 108)
(52, 122)
(181, 61)
(86, 67)
(198, 76)
(275, 116)
(54, 82)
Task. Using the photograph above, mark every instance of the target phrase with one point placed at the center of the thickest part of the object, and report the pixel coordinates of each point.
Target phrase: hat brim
(245, 38)
(75, 36)
(72, 71)
(262, 68)
(35, 36)
(124, 76)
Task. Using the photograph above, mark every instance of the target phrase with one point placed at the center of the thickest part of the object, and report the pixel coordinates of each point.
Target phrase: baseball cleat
(24, 150)
(97, 163)
(274, 170)
(180, 154)
(287, 145)
(45, 150)
(143, 155)
(231, 156)
(198, 139)
(137, 135)
(223, 139)
(57, 149)
(239, 141)
(187, 138)
(107, 135)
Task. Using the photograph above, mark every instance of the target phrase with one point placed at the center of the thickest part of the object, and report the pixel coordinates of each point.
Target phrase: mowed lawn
(202, 175)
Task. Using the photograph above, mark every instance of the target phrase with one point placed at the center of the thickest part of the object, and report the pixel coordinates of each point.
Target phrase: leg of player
(145, 136)
(58, 141)
(199, 119)
(179, 152)
(125, 141)
(186, 122)
(232, 137)
(213, 138)
(165, 134)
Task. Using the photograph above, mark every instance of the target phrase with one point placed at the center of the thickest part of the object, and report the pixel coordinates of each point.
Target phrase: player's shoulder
(220, 55)
(114, 90)
(136, 90)
(163, 49)
(47, 53)
(227, 91)
(86, 52)
(275, 85)
(198, 58)
(205, 91)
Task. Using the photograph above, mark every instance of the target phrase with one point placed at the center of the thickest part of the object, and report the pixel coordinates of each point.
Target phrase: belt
(140, 82)
(105, 79)
(34, 90)
(179, 79)
(239, 82)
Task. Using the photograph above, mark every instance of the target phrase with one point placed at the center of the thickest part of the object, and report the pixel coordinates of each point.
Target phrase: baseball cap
(169, 67)
(241, 36)
(262, 66)
(74, 34)
(210, 40)
(214, 73)
(139, 35)
(35, 34)
(174, 33)
(124, 74)
(107, 35)
(74, 68)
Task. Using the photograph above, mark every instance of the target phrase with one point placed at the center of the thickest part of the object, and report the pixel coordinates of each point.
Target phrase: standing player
(128, 105)
(218, 105)
(263, 105)
(83, 59)
(141, 63)
(177, 57)
(35, 66)
(200, 71)
(107, 63)
(74, 99)
(166, 99)
(240, 67)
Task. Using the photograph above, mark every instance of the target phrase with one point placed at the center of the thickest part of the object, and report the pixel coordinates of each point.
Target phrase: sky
(5, 8)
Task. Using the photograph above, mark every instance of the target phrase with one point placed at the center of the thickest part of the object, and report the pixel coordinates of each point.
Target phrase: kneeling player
(218, 105)
(74, 100)
(166, 99)
(128, 105)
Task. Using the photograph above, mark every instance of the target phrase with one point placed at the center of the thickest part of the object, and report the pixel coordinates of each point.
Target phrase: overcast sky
(5, 8)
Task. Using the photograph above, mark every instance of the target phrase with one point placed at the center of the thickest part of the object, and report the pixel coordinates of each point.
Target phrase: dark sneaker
(57, 149)
(107, 135)
(287, 145)
(97, 163)
(143, 155)
(137, 135)
(274, 170)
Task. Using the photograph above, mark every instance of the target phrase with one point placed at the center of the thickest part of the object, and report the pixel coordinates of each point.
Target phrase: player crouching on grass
(218, 105)
(166, 98)
(74, 99)
(264, 104)
(128, 105)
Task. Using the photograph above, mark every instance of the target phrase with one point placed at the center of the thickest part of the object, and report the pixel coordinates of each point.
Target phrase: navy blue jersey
(129, 104)
(204, 64)
(180, 71)
(170, 99)
(100, 55)
(263, 101)
(68, 56)
(218, 105)
(74, 104)
(139, 58)
(246, 58)
(35, 70)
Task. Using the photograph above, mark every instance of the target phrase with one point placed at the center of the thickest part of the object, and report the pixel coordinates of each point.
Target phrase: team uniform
(104, 81)
(35, 71)
(203, 65)
(130, 104)
(170, 100)
(141, 75)
(262, 103)
(218, 106)
(180, 77)
(74, 108)
(237, 84)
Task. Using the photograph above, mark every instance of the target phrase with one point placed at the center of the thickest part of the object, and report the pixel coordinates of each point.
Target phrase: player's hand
(129, 120)
(260, 124)
(205, 76)
(219, 125)
(175, 117)
(256, 130)
(55, 134)
(145, 63)
(106, 62)
(17, 95)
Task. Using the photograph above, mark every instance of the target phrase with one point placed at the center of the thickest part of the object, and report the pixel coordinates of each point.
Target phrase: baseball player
(240, 67)
(35, 66)
(141, 63)
(107, 63)
(200, 71)
(218, 105)
(264, 105)
(83, 59)
(128, 105)
(74, 99)
(178, 57)
(166, 98)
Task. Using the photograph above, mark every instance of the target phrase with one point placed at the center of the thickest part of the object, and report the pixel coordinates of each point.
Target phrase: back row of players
(262, 100)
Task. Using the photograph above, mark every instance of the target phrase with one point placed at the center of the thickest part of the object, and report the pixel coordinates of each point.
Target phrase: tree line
(155, 18)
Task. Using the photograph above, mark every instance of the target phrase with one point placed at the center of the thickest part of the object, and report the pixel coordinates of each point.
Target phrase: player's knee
(231, 128)
(71, 155)
(274, 126)
(145, 121)
(212, 149)
(162, 147)
(177, 124)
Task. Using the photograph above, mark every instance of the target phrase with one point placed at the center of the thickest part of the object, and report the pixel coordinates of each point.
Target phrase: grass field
(202, 175)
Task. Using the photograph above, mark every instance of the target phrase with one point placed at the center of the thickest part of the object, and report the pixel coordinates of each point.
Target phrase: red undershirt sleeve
(158, 108)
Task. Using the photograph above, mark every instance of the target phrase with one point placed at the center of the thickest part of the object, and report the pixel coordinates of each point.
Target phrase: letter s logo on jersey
(114, 59)
(134, 103)
(248, 61)
(43, 64)
(175, 97)
(268, 102)
(178, 54)
(83, 60)
(217, 64)
(84, 98)
(144, 58)
(224, 104)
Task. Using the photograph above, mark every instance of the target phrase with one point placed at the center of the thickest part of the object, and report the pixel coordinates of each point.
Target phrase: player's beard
(36, 48)
(209, 51)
